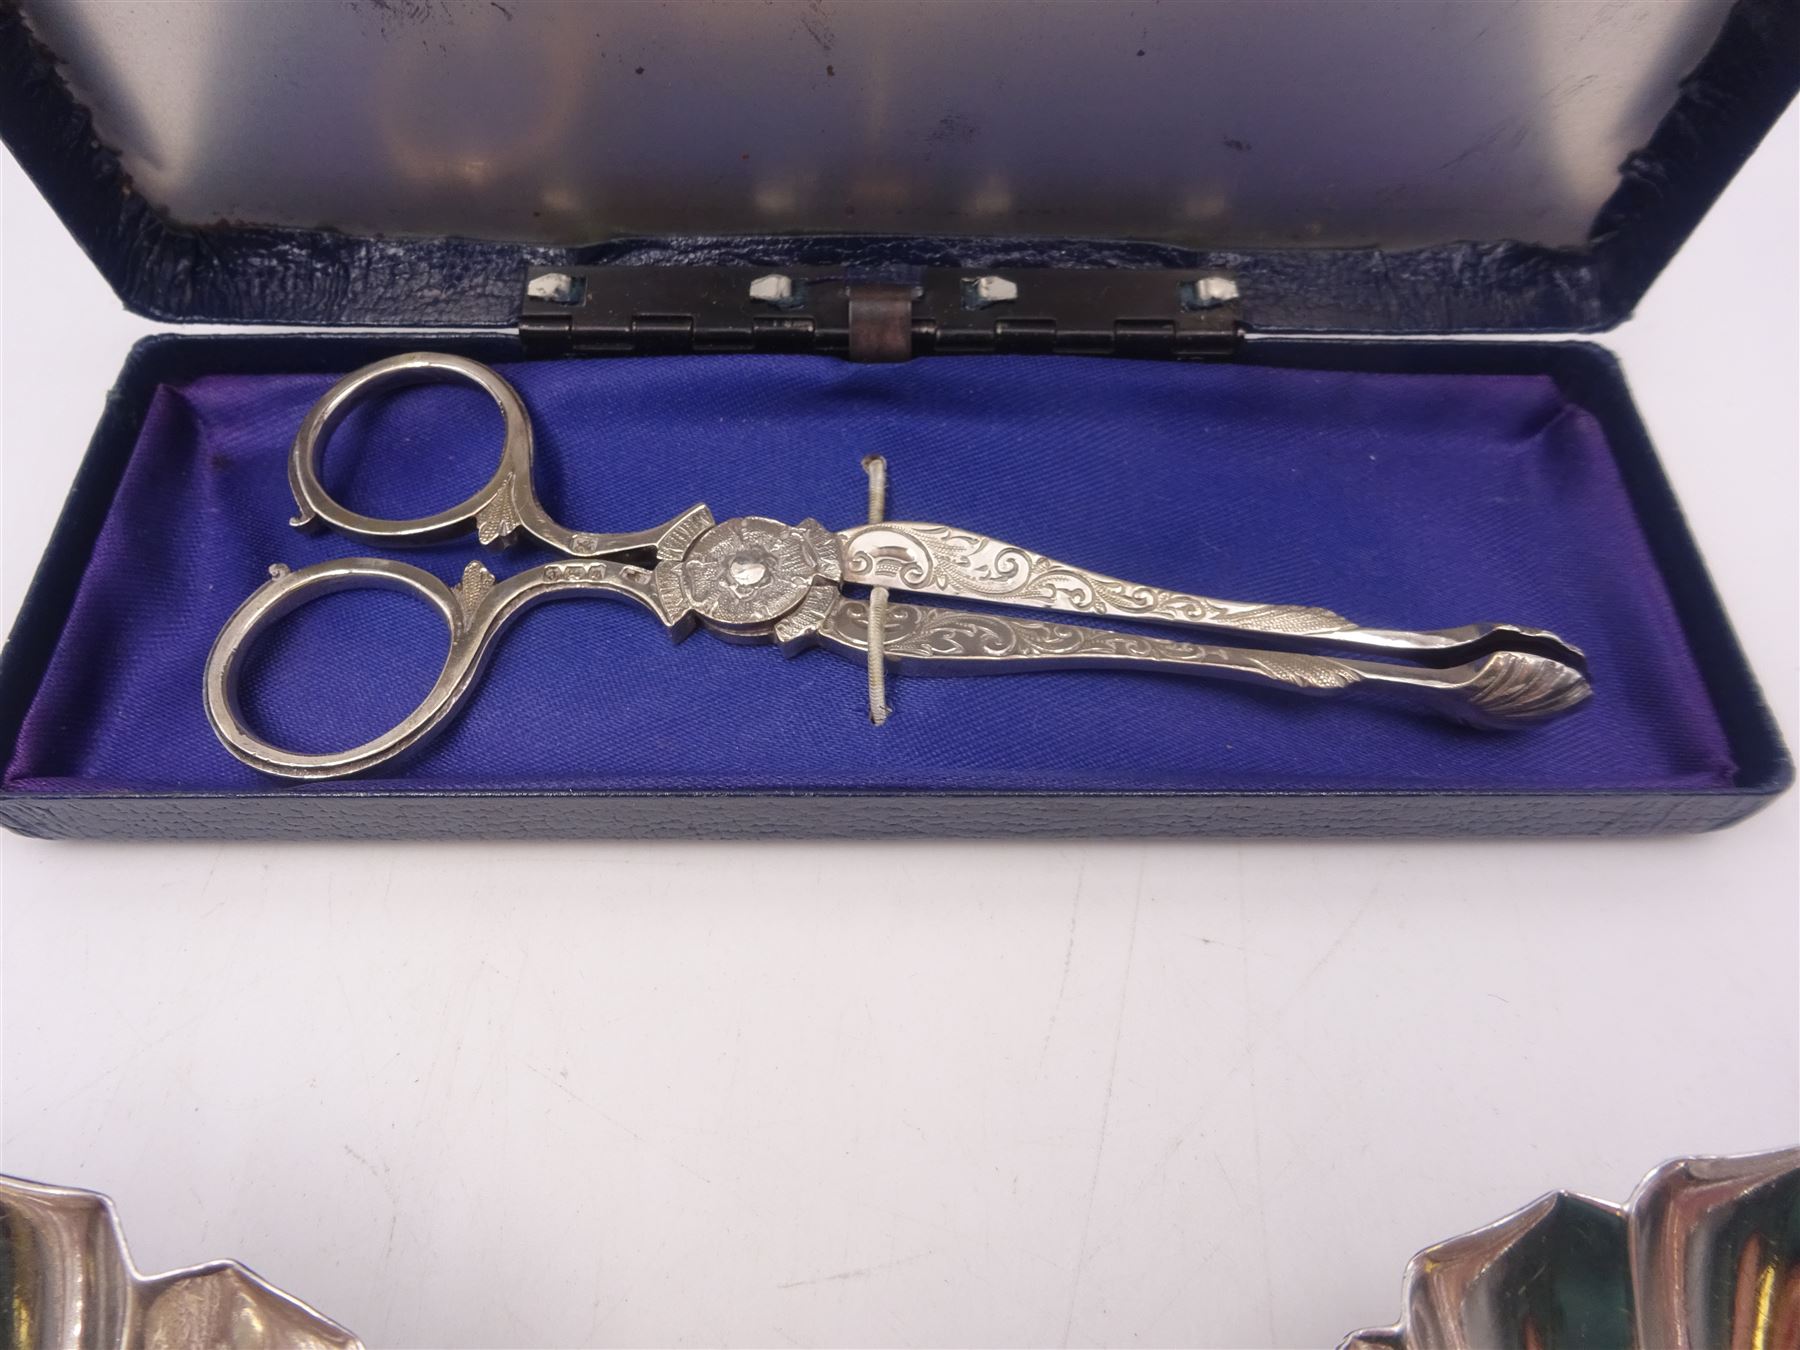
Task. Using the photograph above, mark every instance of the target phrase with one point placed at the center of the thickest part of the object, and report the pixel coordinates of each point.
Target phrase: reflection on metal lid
(1230, 123)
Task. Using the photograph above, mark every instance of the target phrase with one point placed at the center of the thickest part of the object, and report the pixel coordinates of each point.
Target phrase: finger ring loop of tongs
(752, 579)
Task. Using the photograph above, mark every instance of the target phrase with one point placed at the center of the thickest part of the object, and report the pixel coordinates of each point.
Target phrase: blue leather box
(1368, 192)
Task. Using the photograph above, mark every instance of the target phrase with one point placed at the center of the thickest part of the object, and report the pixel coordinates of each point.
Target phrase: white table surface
(915, 1093)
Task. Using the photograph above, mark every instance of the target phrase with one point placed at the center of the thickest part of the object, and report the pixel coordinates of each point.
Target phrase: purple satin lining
(1415, 501)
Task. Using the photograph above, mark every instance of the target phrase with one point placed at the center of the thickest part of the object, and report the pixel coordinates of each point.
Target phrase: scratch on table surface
(860, 1273)
(1154, 1176)
(206, 886)
(1112, 1077)
(55, 1109)
(737, 1064)
(650, 1148)
(1262, 1220)
(1217, 942)
(1259, 1027)
(1185, 1287)
(579, 1100)
(1062, 985)
(382, 1179)
(598, 1320)
(379, 1173)
(1336, 943)
(594, 1307)
(362, 1054)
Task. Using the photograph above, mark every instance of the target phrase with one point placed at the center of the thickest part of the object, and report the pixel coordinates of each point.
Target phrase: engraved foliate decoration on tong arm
(757, 580)
(940, 560)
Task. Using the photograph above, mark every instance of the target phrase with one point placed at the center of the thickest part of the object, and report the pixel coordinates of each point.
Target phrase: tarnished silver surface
(942, 560)
(1498, 692)
(69, 1285)
(1234, 123)
(1704, 1256)
(752, 579)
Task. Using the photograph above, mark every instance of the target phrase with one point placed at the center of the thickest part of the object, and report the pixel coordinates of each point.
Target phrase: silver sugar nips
(752, 579)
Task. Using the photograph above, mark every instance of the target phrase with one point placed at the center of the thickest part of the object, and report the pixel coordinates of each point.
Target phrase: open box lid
(1376, 166)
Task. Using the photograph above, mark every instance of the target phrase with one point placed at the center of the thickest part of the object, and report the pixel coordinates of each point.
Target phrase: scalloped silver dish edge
(1705, 1253)
(70, 1281)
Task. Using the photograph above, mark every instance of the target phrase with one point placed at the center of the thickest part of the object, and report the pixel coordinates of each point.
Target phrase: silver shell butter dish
(1704, 1256)
(68, 1281)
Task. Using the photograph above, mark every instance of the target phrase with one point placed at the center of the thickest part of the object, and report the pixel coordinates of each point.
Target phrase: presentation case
(1287, 309)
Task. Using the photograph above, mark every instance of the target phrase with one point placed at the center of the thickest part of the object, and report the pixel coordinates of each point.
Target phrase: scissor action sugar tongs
(751, 579)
